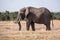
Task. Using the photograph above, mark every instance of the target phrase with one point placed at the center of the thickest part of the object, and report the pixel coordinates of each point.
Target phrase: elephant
(34, 15)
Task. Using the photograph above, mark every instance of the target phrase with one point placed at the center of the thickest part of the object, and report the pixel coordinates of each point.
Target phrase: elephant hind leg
(48, 26)
(32, 26)
(28, 25)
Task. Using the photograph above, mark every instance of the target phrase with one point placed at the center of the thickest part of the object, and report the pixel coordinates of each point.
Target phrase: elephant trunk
(18, 21)
(18, 18)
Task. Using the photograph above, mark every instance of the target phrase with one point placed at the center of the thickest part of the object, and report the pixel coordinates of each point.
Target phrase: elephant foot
(33, 30)
(19, 29)
(48, 29)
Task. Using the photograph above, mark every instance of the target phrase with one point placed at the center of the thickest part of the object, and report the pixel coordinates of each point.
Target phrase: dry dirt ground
(9, 31)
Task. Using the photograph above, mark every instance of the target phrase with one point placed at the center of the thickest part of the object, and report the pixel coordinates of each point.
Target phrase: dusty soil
(9, 31)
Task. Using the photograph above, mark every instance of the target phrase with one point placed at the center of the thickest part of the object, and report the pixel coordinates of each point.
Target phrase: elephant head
(22, 13)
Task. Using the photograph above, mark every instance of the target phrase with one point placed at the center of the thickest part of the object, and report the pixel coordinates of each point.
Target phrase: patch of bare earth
(9, 31)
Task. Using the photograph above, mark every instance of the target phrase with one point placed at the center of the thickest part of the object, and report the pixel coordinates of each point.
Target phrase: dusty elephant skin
(35, 15)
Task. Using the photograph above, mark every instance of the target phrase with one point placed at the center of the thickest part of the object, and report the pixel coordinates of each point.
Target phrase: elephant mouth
(22, 17)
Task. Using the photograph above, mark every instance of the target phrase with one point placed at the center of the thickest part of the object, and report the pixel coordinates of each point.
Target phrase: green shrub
(56, 16)
(7, 16)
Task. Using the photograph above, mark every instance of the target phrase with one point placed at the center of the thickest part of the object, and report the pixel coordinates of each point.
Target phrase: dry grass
(9, 31)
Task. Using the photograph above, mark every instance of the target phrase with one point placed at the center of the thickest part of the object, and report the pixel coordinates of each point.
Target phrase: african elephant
(35, 15)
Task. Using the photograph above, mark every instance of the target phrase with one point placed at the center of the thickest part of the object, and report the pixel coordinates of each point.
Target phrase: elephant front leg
(28, 25)
(32, 26)
(19, 26)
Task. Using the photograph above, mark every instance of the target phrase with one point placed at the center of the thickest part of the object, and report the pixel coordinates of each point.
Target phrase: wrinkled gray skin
(35, 15)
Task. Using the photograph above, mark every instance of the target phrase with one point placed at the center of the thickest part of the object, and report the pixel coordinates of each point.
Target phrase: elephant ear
(18, 16)
(26, 12)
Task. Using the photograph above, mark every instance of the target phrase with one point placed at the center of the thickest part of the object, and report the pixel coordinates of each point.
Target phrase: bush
(8, 16)
(56, 16)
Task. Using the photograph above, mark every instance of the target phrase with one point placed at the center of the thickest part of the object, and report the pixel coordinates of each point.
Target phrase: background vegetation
(8, 16)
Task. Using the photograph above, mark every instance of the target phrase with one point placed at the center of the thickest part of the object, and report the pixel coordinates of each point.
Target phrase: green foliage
(56, 16)
(8, 16)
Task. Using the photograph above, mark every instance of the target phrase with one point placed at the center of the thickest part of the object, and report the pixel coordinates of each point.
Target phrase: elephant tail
(52, 23)
(52, 20)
